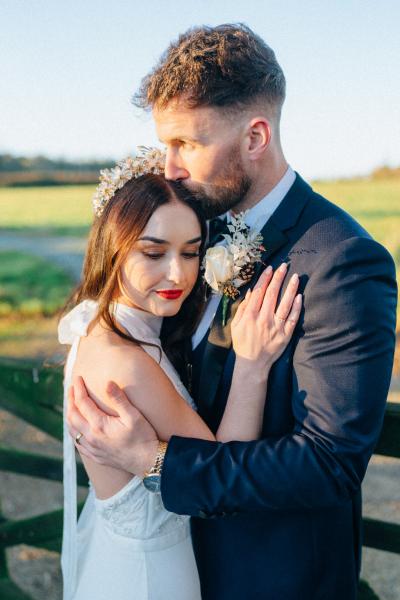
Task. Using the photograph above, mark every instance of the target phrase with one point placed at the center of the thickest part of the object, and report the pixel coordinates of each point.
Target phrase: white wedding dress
(127, 547)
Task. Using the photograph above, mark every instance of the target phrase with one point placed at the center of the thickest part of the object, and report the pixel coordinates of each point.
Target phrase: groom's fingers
(87, 407)
(79, 427)
(85, 450)
(119, 401)
(76, 422)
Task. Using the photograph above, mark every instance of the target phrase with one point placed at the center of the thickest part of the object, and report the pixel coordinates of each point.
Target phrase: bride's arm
(259, 337)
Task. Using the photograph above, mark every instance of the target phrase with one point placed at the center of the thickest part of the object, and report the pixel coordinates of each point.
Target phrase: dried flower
(147, 160)
(230, 266)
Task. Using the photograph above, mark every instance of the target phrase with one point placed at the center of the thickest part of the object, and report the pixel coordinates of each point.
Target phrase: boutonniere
(227, 267)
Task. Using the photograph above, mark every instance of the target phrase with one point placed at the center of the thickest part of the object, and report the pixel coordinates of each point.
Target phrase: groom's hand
(126, 441)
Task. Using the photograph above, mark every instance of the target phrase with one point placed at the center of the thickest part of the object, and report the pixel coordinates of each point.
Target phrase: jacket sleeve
(341, 374)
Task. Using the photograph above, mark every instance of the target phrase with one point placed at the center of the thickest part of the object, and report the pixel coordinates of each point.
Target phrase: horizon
(110, 159)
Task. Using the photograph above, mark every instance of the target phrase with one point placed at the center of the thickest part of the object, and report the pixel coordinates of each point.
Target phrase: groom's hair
(225, 66)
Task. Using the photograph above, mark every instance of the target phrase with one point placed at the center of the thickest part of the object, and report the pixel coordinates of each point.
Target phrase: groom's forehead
(178, 120)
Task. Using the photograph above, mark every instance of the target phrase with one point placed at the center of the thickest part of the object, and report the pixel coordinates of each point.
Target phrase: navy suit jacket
(279, 518)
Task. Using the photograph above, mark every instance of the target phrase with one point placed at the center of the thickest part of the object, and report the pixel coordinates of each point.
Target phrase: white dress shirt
(256, 218)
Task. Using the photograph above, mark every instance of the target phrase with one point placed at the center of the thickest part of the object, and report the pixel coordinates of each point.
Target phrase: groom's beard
(217, 198)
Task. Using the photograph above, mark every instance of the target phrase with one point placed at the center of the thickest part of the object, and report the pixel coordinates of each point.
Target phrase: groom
(278, 518)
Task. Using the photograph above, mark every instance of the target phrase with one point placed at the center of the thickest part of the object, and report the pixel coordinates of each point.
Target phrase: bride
(137, 306)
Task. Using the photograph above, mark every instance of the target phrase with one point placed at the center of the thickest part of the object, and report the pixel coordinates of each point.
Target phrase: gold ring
(280, 319)
(78, 438)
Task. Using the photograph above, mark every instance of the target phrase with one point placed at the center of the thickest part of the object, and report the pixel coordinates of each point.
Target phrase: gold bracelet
(159, 460)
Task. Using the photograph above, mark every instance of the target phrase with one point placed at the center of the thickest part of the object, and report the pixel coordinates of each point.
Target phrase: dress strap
(75, 323)
(69, 543)
(71, 328)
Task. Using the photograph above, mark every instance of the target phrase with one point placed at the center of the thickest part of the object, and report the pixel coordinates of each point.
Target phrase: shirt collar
(259, 214)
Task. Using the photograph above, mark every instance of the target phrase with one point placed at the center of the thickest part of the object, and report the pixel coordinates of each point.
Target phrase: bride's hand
(261, 330)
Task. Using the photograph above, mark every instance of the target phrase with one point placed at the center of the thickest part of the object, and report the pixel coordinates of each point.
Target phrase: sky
(68, 70)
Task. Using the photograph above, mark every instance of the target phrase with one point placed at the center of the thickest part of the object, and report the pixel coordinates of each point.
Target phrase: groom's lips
(170, 294)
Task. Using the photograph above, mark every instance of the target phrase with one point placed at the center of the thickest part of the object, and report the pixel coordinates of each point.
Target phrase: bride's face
(161, 269)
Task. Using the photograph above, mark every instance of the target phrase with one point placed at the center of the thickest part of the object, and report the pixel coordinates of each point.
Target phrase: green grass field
(63, 210)
(66, 210)
(31, 286)
(375, 204)
(32, 290)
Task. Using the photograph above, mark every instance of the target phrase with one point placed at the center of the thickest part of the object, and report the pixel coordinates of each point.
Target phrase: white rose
(219, 266)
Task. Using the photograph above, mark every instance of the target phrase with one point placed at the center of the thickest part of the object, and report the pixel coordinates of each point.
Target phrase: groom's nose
(173, 167)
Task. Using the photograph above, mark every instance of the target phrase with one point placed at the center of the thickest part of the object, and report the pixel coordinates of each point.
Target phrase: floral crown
(147, 160)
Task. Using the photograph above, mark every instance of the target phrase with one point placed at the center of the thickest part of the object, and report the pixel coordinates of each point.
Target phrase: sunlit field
(375, 204)
(66, 210)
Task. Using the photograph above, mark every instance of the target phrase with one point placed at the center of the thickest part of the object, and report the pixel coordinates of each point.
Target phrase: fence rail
(34, 394)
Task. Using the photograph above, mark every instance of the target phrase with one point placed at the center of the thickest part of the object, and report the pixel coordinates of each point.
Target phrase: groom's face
(204, 150)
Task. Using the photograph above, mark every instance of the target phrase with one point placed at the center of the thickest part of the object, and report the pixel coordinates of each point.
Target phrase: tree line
(18, 171)
(10, 163)
(42, 170)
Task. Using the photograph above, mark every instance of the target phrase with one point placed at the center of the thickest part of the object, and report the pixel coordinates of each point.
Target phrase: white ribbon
(71, 328)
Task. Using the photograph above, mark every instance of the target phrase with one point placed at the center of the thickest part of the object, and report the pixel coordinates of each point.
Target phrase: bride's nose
(175, 271)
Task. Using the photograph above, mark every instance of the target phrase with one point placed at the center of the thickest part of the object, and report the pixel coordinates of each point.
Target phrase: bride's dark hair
(111, 238)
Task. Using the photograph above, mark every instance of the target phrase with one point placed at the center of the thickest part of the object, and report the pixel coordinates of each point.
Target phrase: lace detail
(133, 512)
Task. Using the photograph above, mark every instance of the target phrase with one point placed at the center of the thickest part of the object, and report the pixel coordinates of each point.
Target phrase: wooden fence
(34, 394)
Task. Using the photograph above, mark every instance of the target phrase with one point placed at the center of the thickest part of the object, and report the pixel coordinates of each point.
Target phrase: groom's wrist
(152, 476)
(146, 458)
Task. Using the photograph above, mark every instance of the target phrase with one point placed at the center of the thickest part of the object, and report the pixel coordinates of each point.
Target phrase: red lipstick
(170, 294)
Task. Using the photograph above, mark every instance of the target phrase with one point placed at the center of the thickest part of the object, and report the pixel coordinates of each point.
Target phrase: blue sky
(69, 68)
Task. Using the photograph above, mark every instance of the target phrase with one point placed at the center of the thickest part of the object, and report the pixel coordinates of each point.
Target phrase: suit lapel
(219, 339)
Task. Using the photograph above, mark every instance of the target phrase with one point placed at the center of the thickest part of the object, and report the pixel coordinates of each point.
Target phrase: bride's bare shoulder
(104, 355)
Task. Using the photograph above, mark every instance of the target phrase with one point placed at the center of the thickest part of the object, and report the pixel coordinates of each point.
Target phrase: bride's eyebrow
(152, 239)
(159, 241)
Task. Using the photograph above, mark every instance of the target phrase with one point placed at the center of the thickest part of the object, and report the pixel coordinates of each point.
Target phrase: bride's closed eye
(153, 256)
(158, 255)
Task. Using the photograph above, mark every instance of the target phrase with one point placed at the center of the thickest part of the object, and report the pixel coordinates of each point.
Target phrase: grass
(66, 210)
(60, 210)
(375, 204)
(32, 290)
(30, 337)
(31, 286)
